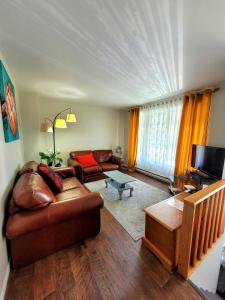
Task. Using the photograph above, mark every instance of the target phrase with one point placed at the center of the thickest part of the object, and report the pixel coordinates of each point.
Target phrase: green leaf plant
(50, 157)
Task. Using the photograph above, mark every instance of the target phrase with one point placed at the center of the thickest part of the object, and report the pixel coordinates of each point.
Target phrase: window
(158, 135)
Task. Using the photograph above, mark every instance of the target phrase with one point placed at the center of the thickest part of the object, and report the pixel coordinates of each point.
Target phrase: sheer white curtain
(158, 134)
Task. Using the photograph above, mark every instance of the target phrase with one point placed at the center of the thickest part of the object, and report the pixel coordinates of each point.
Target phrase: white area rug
(129, 211)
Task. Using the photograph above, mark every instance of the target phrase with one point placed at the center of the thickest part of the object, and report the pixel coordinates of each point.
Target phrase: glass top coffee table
(119, 181)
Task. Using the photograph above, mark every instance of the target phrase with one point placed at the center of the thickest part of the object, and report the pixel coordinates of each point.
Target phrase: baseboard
(164, 179)
(5, 281)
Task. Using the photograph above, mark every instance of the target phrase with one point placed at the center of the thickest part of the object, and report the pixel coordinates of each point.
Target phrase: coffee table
(119, 181)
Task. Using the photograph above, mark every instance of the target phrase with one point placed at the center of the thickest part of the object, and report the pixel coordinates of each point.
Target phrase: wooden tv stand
(162, 229)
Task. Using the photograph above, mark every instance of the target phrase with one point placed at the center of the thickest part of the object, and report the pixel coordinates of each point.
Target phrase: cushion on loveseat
(108, 166)
(73, 154)
(31, 192)
(102, 155)
(86, 160)
(71, 183)
(72, 194)
(92, 170)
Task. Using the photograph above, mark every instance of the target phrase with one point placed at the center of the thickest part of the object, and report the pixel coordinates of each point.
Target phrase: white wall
(11, 158)
(216, 129)
(96, 128)
(207, 273)
(216, 135)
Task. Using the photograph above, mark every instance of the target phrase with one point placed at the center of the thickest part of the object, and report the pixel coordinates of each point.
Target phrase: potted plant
(50, 157)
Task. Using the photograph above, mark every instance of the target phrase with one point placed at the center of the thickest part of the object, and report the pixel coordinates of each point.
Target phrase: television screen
(208, 159)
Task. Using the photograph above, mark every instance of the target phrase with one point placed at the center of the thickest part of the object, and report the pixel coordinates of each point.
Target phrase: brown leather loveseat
(40, 222)
(106, 161)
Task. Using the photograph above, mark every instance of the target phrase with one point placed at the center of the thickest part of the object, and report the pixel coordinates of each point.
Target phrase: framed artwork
(8, 106)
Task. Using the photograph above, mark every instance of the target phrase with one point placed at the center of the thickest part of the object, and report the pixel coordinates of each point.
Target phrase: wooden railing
(202, 226)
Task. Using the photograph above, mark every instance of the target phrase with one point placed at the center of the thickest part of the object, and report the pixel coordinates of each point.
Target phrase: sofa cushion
(108, 166)
(72, 194)
(73, 154)
(30, 166)
(86, 160)
(54, 181)
(92, 170)
(102, 155)
(71, 183)
(31, 192)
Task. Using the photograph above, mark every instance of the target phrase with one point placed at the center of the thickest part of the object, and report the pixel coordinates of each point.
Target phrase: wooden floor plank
(85, 283)
(20, 284)
(109, 266)
(44, 285)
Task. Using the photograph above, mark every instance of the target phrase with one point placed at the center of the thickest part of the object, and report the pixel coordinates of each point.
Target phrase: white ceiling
(113, 52)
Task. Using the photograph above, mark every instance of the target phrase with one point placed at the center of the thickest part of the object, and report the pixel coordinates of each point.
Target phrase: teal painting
(8, 106)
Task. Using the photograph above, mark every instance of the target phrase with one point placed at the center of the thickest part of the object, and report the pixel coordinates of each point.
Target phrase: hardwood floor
(109, 266)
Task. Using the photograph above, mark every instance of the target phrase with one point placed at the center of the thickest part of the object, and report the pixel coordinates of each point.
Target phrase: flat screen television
(208, 159)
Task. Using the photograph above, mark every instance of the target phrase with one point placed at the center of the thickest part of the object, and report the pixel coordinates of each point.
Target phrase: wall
(96, 128)
(206, 275)
(11, 158)
(216, 136)
(216, 129)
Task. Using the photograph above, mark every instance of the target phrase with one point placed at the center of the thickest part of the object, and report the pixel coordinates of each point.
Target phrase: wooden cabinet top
(167, 215)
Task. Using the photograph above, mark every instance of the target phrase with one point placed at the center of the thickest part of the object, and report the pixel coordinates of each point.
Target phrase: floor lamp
(57, 122)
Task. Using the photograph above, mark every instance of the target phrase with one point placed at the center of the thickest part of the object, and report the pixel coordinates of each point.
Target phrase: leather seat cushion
(108, 166)
(71, 183)
(72, 194)
(92, 170)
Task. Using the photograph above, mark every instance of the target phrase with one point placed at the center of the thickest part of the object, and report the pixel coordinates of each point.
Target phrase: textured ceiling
(113, 52)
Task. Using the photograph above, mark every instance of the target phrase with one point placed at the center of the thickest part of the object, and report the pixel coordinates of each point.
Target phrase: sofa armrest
(117, 160)
(73, 163)
(65, 172)
(25, 222)
(77, 167)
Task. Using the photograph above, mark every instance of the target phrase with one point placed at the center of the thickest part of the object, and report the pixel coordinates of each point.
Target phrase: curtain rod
(214, 90)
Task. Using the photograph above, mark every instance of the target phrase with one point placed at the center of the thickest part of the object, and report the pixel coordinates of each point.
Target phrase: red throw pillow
(86, 160)
(54, 181)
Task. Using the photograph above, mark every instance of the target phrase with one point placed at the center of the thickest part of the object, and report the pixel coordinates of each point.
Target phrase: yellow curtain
(193, 128)
(133, 139)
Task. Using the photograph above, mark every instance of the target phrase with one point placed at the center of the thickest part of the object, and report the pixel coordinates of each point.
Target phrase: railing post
(186, 239)
(222, 223)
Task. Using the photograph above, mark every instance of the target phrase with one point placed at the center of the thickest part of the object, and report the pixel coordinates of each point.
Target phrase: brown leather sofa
(106, 162)
(40, 222)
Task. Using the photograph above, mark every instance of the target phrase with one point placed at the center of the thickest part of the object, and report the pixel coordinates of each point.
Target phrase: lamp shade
(46, 127)
(60, 123)
(71, 118)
